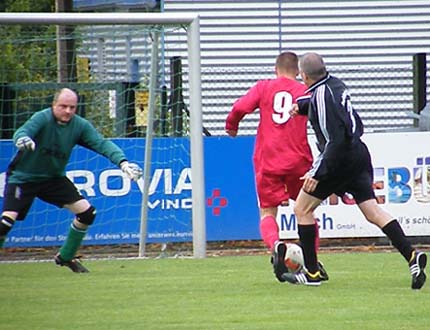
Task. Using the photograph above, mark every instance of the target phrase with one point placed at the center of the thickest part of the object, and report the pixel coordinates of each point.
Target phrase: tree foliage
(27, 52)
(27, 6)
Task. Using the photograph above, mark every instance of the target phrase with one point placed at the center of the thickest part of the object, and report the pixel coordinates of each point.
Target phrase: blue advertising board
(402, 187)
(231, 203)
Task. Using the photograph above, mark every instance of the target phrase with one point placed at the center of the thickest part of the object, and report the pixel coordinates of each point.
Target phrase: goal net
(138, 80)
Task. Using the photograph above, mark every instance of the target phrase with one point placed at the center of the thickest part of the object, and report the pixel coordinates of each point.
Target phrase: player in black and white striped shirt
(343, 166)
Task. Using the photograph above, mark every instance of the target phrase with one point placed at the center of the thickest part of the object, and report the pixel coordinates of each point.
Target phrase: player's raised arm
(243, 106)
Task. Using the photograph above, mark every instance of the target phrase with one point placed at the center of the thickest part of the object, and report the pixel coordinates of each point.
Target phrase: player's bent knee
(268, 211)
(299, 212)
(87, 217)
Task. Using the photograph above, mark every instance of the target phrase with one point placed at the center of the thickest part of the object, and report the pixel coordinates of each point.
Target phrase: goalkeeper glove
(133, 171)
(25, 143)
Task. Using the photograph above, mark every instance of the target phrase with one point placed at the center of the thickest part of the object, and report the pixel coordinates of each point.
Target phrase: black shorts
(19, 197)
(354, 177)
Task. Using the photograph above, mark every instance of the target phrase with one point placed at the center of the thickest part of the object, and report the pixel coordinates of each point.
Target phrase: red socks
(269, 231)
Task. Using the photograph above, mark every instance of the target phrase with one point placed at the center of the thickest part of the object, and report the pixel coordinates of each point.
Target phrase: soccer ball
(294, 258)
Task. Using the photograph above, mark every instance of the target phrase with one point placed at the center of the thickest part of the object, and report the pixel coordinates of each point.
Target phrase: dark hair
(287, 61)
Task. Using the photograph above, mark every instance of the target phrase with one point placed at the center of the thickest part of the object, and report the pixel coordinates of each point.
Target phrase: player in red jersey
(281, 153)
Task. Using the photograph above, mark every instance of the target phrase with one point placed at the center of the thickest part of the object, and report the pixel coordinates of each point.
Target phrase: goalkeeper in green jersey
(45, 143)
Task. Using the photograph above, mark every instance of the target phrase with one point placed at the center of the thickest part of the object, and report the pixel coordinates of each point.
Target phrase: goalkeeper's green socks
(2, 240)
(72, 243)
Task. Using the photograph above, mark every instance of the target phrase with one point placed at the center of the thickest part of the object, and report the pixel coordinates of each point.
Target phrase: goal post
(191, 22)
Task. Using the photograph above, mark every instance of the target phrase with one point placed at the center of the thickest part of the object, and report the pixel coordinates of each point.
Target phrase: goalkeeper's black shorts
(19, 197)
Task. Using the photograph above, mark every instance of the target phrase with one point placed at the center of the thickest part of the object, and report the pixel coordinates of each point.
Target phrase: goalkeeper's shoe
(74, 264)
(278, 258)
(416, 265)
(323, 272)
(303, 277)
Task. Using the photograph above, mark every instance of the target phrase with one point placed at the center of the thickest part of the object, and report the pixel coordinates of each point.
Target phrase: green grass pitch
(365, 291)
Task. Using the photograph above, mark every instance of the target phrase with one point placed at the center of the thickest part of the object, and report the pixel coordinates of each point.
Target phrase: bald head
(65, 92)
(64, 105)
(312, 67)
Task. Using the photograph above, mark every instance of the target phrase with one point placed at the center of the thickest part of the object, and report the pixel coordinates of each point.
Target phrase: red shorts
(273, 189)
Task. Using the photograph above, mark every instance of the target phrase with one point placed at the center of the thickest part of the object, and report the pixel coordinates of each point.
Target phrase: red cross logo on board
(216, 202)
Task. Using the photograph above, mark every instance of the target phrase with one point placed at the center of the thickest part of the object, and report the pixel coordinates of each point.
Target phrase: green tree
(24, 58)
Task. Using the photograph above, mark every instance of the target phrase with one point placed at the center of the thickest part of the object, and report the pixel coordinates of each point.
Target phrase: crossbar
(97, 18)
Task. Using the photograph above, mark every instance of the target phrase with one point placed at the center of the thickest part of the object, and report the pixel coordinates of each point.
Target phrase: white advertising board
(401, 163)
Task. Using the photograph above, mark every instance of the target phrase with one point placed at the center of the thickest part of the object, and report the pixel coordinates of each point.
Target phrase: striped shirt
(336, 124)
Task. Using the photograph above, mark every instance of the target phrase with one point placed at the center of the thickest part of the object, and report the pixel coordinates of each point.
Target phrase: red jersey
(281, 143)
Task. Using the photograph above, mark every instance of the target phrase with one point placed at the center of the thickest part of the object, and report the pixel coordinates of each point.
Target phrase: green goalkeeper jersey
(54, 144)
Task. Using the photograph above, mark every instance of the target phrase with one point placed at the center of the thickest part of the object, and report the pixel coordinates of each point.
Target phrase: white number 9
(282, 103)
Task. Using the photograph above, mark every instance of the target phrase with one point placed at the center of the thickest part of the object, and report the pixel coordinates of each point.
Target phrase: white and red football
(294, 258)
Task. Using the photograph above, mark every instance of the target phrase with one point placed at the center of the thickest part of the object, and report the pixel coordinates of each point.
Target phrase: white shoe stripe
(302, 279)
(415, 269)
(6, 223)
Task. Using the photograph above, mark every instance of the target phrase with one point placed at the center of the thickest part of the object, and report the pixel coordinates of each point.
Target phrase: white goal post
(191, 21)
